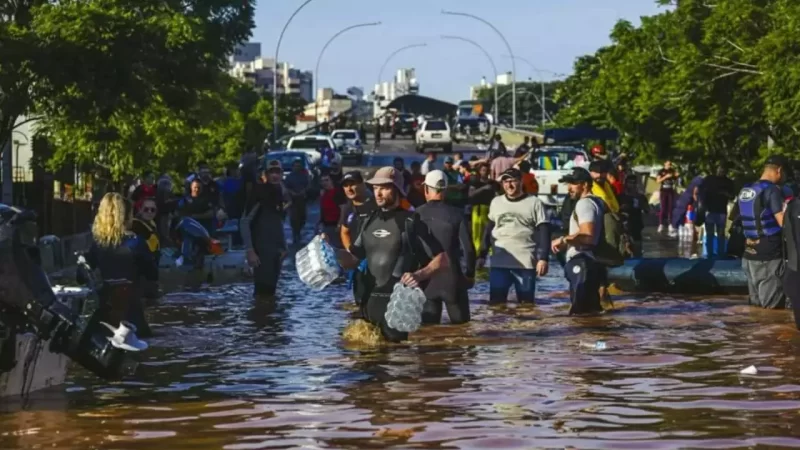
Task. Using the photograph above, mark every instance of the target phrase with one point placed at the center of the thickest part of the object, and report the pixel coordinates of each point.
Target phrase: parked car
(434, 134)
(313, 146)
(404, 125)
(349, 144)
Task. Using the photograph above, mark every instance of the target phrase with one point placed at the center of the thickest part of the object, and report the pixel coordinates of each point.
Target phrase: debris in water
(749, 371)
(599, 345)
(401, 433)
(362, 332)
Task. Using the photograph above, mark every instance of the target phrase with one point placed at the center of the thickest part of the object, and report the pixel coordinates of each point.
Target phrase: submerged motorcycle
(87, 331)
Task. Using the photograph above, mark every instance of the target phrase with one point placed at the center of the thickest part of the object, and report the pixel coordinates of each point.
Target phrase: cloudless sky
(549, 33)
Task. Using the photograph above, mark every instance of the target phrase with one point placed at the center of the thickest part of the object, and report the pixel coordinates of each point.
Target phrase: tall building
(404, 83)
(245, 52)
(259, 72)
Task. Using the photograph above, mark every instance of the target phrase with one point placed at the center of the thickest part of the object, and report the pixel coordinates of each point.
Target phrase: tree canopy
(110, 67)
(700, 83)
(529, 94)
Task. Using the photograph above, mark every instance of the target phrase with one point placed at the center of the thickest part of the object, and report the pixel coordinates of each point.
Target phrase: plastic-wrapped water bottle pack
(404, 312)
(317, 265)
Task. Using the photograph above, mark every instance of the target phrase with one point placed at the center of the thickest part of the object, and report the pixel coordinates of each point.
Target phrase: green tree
(529, 108)
(86, 62)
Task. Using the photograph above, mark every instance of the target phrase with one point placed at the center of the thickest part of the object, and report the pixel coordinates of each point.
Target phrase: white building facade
(404, 83)
(260, 71)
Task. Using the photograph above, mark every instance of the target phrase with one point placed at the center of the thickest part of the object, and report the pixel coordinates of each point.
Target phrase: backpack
(614, 244)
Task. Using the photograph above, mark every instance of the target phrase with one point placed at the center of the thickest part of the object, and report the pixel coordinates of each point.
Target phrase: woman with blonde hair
(124, 261)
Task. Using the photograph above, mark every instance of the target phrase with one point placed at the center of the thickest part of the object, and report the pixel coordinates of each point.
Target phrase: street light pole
(513, 63)
(543, 101)
(385, 63)
(491, 61)
(319, 59)
(275, 72)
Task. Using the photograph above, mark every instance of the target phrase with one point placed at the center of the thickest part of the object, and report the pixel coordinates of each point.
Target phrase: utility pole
(8, 169)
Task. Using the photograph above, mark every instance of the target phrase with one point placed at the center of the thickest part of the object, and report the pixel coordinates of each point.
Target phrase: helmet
(597, 150)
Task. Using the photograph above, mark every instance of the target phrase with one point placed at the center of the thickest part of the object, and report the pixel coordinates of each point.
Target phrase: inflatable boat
(680, 276)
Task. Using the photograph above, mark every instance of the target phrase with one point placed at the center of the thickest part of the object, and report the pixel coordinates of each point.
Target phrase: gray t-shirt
(515, 223)
(586, 210)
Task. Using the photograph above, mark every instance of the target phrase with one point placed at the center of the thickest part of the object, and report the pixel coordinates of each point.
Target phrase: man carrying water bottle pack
(397, 246)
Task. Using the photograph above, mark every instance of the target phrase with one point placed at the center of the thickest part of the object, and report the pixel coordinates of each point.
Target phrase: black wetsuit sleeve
(468, 248)
(357, 247)
(541, 238)
(344, 214)
(486, 240)
(245, 226)
(424, 238)
(91, 256)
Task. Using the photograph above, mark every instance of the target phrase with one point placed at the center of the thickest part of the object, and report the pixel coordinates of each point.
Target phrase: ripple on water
(227, 371)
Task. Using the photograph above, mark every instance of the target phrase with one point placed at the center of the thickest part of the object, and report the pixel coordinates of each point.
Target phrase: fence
(55, 216)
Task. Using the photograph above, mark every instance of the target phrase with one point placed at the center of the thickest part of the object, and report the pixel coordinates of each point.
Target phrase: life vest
(147, 231)
(758, 221)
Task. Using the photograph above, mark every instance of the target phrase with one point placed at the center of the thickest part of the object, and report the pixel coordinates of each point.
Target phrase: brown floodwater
(228, 372)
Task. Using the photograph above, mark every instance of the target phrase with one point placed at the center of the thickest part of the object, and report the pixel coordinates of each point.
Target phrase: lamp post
(383, 67)
(491, 61)
(275, 72)
(319, 59)
(513, 63)
(543, 101)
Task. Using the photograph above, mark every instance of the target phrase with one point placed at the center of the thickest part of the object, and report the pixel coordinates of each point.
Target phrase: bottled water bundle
(404, 312)
(317, 265)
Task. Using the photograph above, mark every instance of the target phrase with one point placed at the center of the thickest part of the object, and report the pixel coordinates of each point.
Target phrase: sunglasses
(148, 210)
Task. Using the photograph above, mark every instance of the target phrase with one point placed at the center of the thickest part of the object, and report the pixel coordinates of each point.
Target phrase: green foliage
(529, 108)
(92, 65)
(702, 84)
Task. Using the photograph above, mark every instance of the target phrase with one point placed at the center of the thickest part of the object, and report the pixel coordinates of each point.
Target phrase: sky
(550, 34)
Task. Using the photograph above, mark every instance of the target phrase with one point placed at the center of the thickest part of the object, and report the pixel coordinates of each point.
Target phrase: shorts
(586, 276)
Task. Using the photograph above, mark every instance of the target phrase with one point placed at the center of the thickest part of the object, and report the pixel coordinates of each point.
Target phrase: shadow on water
(227, 371)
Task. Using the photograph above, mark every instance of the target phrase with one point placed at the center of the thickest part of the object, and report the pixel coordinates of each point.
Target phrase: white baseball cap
(436, 179)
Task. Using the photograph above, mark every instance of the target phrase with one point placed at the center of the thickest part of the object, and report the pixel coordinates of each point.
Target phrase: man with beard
(359, 206)
(398, 247)
(585, 274)
(261, 228)
(521, 234)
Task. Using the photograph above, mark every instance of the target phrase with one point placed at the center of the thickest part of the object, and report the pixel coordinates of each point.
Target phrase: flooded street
(229, 372)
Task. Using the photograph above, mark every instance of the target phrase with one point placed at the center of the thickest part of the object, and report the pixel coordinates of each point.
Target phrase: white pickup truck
(312, 146)
(549, 165)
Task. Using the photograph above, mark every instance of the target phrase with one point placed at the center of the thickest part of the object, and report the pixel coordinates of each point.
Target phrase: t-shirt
(669, 183)
(351, 214)
(715, 193)
(605, 192)
(771, 247)
(587, 209)
(515, 222)
(500, 165)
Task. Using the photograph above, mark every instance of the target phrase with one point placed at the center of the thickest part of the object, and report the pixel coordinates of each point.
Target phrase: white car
(312, 146)
(348, 142)
(549, 165)
(434, 133)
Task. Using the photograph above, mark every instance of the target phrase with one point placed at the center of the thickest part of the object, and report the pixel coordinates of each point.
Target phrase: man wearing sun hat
(397, 246)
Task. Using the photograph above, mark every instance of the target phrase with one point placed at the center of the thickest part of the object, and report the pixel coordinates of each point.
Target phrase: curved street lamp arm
(488, 56)
(275, 70)
(389, 58)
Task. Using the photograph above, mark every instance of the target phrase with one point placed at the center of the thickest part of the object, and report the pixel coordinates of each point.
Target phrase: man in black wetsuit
(358, 207)
(398, 247)
(448, 225)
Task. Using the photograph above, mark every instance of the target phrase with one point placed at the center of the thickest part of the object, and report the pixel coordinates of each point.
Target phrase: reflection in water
(227, 371)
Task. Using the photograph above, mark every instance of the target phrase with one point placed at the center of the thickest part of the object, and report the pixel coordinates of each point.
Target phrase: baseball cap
(354, 176)
(578, 175)
(448, 160)
(388, 175)
(777, 160)
(436, 179)
(273, 164)
(510, 173)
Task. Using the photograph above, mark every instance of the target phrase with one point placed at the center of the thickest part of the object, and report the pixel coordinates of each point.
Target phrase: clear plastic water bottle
(404, 312)
(317, 265)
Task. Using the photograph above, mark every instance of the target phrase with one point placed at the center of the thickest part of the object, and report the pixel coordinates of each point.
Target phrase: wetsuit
(132, 262)
(351, 217)
(393, 242)
(262, 230)
(448, 225)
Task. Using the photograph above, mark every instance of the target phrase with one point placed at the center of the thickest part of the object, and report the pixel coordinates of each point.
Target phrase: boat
(680, 276)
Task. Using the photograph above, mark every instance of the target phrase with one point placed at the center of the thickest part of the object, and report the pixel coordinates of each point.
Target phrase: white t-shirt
(587, 209)
(427, 166)
(515, 222)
